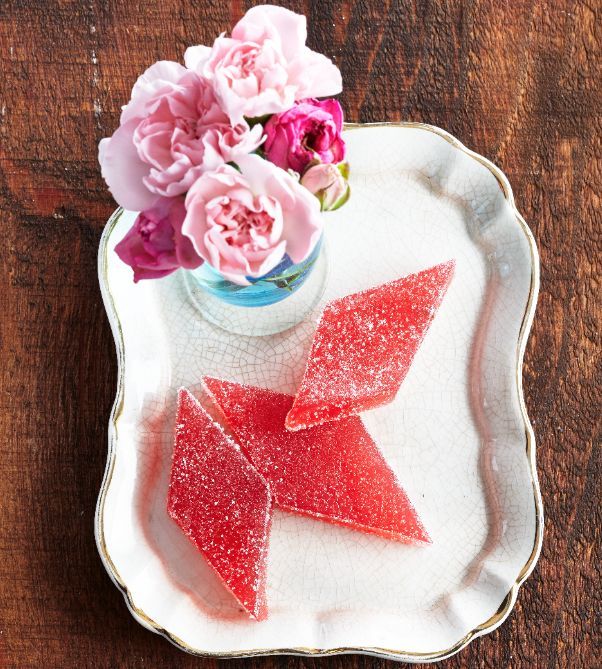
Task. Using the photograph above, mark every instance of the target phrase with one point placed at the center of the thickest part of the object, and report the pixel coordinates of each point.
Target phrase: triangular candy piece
(334, 472)
(221, 503)
(364, 345)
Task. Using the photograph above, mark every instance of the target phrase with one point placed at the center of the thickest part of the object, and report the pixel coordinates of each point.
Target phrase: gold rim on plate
(401, 655)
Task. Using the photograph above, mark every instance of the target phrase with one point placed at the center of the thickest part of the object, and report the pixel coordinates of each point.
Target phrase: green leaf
(258, 119)
(341, 201)
(344, 170)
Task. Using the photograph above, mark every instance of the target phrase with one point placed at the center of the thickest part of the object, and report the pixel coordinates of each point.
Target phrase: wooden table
(516, 80)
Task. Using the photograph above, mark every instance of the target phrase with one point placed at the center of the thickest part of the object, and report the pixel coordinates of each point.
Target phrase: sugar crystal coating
(334, 472)
(364, 345)
(221, 503)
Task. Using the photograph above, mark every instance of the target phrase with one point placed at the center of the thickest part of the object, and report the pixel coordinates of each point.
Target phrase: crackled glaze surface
(455, 435)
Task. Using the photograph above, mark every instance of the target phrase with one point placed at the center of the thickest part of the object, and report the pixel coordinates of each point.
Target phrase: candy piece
(334, 471)
(221, 503)
(364, 345)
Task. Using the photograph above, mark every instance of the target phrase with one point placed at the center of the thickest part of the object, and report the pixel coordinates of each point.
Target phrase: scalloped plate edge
(507, 604)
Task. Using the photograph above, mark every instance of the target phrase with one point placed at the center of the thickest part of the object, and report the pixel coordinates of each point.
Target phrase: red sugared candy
(334, 472)
(364, 345)
(221, 503)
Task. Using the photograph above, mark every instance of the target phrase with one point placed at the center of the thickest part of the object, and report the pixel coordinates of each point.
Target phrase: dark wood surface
(516, 80)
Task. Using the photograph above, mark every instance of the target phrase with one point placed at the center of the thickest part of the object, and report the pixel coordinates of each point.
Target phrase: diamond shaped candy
(334, 472)
(221, 503)
(364, 345)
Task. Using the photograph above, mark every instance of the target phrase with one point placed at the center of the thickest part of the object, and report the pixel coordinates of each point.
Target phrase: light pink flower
(328, 183)
(243, 223)
(154, 246)
(309, 131)
(172, 131)
(265, 66)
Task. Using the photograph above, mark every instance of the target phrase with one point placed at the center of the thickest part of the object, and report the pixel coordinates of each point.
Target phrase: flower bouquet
(230, 160)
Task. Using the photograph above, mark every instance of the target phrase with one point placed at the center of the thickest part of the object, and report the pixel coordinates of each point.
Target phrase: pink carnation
(265, 66)
(243, 223)
(310, 131)
(154, 246)
(172, 131)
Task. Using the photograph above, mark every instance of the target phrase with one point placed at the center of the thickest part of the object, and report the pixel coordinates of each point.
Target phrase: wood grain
(518, 81)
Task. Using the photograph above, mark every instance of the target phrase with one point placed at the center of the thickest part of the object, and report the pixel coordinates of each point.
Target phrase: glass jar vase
(268, 304)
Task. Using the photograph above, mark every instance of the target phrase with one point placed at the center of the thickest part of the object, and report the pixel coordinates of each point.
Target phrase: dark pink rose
(311, 130)
(154, 246)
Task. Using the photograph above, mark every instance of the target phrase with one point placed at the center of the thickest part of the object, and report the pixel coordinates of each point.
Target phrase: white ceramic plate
(457, 434)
